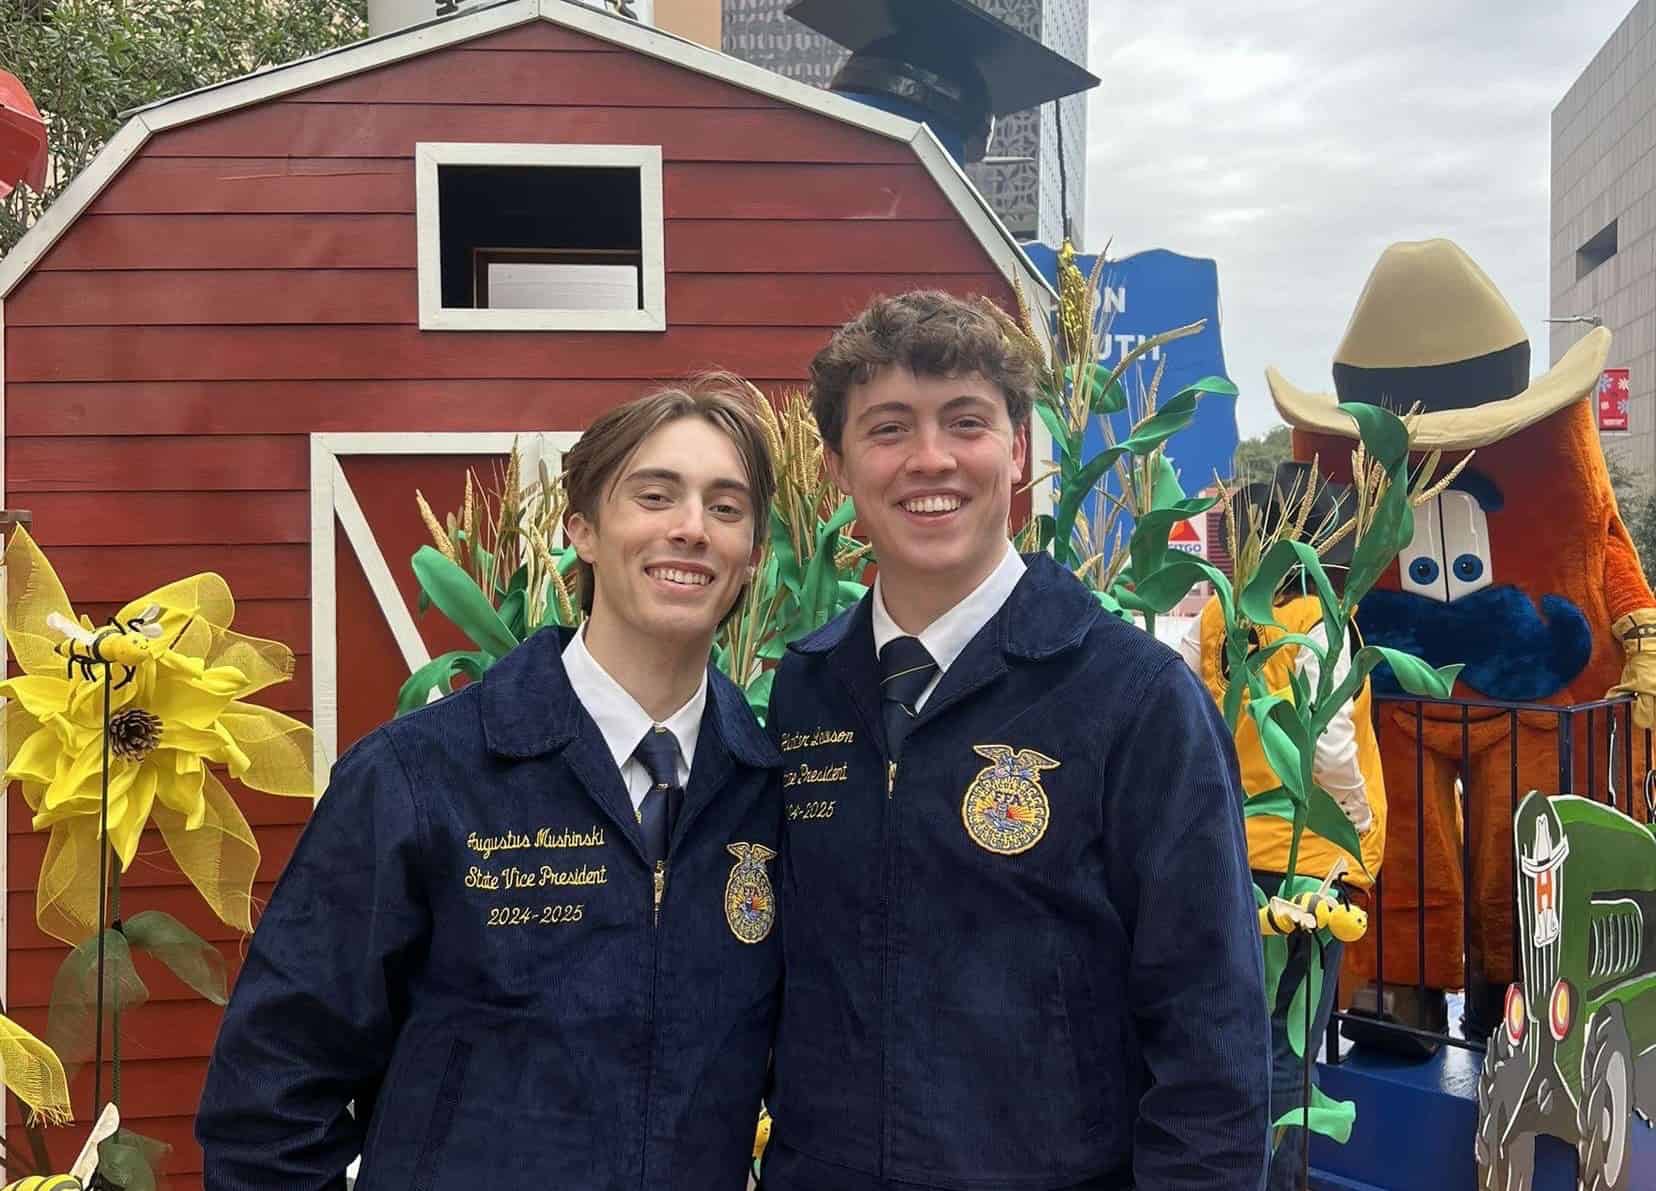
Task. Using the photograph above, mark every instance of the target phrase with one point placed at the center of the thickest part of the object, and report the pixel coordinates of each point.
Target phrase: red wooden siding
(249, 280)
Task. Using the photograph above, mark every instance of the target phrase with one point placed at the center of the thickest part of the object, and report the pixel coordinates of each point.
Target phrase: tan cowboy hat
(1431, 329)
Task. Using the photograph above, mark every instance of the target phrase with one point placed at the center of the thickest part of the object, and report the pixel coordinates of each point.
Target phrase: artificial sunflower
(174, 714)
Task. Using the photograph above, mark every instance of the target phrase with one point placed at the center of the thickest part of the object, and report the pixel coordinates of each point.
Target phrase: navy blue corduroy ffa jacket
(1027, 956)
(466, 945)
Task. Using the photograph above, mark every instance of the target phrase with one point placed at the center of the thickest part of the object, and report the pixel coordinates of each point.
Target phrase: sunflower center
(134, 733)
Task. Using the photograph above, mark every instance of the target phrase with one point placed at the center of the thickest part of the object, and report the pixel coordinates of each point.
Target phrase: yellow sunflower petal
(38, 758)
(180, 790)
(129, 811)
(221, 857)
(35, 1073)
(40, 695)
(279, 747)
(33, 592)
(77, 782)
(188, 695)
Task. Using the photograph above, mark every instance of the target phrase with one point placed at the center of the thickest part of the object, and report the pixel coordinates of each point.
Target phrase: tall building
(1027, 195)
(1604, 222)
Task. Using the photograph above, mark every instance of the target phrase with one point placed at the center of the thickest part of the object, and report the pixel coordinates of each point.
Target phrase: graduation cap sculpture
(946, 62)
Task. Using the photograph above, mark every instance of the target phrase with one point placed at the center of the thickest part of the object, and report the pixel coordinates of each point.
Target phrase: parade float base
(1416, 1122)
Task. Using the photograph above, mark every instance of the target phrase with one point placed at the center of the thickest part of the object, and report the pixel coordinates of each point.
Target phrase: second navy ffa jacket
(469, 948)
(1026, 955)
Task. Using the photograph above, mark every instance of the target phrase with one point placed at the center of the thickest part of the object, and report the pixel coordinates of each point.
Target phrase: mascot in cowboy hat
(1522, 570)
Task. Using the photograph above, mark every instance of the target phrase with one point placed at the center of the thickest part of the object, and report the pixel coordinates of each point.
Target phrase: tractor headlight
(1515, 1014)
(1561, 1010)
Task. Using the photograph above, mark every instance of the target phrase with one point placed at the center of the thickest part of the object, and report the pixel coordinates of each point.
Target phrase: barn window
(540, 237)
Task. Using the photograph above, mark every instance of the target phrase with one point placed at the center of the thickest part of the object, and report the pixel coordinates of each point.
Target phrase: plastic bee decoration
(1320, 909)
(82, 1175)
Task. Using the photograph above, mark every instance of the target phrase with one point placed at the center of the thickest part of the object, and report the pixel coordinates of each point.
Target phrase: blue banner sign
(1142, 296)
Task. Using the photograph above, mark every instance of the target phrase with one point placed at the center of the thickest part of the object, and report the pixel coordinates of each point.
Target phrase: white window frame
(646, 159)
(331, 498)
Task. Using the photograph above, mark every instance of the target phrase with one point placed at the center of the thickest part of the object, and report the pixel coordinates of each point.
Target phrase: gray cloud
(1293, 141)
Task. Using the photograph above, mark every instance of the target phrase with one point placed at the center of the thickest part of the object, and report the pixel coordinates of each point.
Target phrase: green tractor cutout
(1575, 1056)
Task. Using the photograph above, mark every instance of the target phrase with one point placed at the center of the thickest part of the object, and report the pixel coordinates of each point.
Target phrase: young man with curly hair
(1020, 943)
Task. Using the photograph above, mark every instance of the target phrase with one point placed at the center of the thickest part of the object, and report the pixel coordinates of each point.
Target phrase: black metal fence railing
(1504, 750)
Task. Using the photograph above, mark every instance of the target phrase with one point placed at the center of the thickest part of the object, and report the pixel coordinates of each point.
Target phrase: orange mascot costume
(1521, 569)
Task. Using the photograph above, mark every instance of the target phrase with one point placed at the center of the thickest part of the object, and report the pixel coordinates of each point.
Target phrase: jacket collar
(1048, 612)
(529, 708)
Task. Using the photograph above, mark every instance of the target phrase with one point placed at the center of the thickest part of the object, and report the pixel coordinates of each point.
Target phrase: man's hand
(1637, 633)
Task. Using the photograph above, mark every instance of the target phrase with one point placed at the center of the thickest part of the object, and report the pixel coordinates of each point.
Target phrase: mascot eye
(1424, 570)
(1469, 568)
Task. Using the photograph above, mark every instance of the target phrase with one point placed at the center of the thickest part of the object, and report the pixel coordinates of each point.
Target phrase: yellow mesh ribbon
(278, 750)
(220, 857)
(32, 593)
(66, 899)
(35, 1074)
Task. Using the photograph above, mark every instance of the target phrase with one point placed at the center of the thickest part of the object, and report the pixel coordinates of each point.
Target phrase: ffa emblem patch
(750, 905)
(1005, 810)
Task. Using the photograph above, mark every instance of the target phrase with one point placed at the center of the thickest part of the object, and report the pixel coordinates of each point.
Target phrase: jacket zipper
(658, 881)
(891, 777)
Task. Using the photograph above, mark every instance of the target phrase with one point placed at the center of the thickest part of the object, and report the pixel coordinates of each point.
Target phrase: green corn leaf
(1309, 990)
(1328, 1118)
(513, 610)
(1060, 432)
(1324, 817)
(1287, 749)
(788, 571)
(1418, 678)
(817, 590)
(1275, 949)
(1274, 803)
(1167, 491)
(1413, 675)
(1258, 599)
(1076, 488)
(1386, 439)
(439, 674)
(186, 954)
(1148, 546)
(1162, 425)
(1104, 396)
(460, 599)
(758, 693)
(1045, 527)
(1164, 587)
(1383, 433)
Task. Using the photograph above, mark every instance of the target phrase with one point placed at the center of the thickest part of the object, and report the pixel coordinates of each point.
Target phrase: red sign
(1613, 395)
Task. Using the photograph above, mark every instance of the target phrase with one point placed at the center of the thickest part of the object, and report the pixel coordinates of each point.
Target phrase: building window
(540, 237)
(1596, 251)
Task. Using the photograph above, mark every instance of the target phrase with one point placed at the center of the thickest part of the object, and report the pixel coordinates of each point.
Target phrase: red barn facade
(240, 341)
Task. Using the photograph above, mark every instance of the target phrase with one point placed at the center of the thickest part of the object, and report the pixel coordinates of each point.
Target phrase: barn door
(367, 633)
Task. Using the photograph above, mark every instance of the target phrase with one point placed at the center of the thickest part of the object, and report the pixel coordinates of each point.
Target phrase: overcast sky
(1292, 141)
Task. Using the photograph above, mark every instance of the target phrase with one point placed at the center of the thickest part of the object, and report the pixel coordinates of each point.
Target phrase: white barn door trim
(331, 499)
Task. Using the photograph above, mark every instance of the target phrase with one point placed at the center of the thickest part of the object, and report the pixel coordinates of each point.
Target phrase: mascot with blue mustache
(1521, 569)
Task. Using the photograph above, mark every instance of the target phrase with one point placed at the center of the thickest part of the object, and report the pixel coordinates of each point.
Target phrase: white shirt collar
(621, 721)
(947, 637)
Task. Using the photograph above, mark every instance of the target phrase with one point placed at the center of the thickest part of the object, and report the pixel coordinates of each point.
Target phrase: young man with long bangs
(1021, 952)
(528, 932)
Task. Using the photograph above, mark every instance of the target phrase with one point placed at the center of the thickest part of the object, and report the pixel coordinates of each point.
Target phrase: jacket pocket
(443, 1111)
